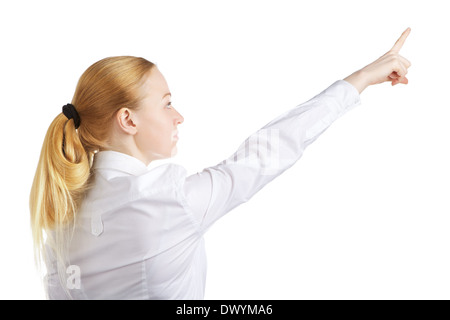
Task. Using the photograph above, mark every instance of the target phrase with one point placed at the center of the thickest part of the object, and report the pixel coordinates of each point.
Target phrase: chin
(174, 152)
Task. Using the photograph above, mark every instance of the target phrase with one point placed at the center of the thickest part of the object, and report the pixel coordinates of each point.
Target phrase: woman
(108, 227)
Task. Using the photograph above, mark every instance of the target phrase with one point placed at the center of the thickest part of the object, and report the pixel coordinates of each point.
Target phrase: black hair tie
(71, 113)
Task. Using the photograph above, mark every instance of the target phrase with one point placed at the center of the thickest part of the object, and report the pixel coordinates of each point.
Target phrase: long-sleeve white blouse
(139, 231)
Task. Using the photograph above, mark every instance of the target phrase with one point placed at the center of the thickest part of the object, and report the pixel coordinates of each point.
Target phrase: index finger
(399, 44)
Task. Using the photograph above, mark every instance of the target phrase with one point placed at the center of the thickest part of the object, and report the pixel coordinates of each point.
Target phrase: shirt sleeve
(265, 154)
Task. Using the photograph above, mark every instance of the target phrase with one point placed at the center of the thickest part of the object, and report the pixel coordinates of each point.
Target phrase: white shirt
(139, 231)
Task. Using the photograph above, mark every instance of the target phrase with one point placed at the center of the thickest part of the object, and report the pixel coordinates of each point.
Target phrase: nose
(179, 119)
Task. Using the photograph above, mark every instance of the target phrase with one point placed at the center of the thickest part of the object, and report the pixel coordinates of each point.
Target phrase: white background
(364, 214)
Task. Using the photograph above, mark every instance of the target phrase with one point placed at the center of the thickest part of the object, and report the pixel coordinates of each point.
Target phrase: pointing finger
(399, 44)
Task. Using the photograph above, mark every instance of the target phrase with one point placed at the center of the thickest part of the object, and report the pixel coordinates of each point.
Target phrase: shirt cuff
(349, 95)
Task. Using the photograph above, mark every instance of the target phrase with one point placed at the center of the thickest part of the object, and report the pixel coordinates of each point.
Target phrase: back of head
(64, 168)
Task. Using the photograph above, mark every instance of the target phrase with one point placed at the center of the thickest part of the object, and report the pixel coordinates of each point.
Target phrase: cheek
(157, 134)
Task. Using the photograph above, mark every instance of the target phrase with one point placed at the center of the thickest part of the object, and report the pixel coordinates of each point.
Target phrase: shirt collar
(118, 161)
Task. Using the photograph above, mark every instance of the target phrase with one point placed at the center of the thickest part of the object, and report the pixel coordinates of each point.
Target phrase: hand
(389, 67)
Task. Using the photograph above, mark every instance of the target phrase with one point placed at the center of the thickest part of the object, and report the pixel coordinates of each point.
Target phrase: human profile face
(157, 119)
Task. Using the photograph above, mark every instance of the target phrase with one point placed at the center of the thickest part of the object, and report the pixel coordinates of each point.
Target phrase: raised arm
(271, 150)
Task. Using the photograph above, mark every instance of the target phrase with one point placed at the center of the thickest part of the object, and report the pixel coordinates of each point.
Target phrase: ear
(124, 119)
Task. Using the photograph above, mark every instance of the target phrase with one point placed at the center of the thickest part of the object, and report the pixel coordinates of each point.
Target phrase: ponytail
(59, 184)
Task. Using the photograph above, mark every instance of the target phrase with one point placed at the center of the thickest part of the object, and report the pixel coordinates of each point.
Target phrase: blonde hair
(63, 173)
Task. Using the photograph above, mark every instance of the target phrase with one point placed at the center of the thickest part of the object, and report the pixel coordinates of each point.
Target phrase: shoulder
(158, 182)
(162, 179)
